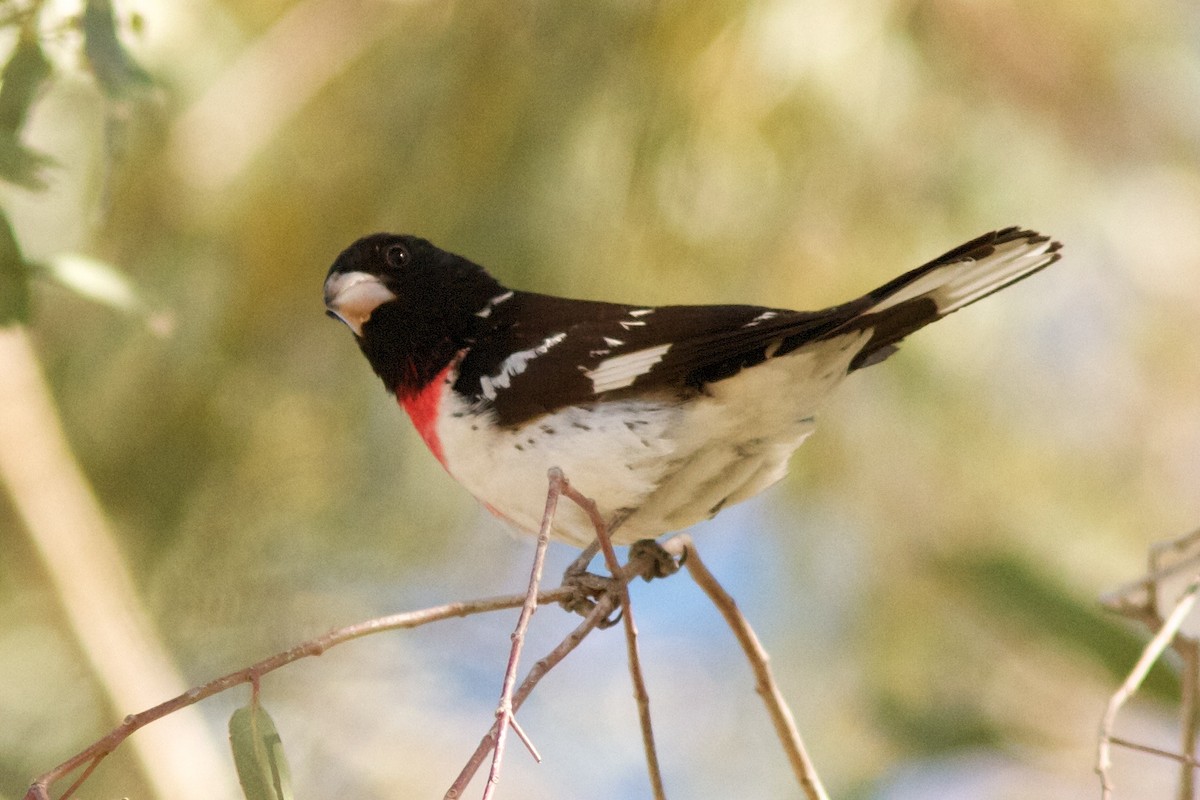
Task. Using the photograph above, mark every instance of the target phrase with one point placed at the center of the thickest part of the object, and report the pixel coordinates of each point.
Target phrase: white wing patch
(621, 371)
(961, 283)
(763, 317)
(486, 311)
(515, 364)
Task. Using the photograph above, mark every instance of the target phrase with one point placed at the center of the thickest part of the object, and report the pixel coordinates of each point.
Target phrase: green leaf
(116, 71)
(21, 82)
(943, 726)
(258, 755)
(23, 78)
(14, 277)
(21, 165)
(1010, 587)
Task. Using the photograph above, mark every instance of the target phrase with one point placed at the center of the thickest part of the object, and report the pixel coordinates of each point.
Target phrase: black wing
(539, 353)
(536, 353)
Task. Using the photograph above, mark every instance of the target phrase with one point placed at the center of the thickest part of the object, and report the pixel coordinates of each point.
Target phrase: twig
(781, 716)
(96, 752)
(1124, 600)
(1149, 655)
(1189, 651)
(525, 740)
(604, 606)
(1139, 601)
(641, 696)
(511, 701)
(504, 712)
(1187, 761)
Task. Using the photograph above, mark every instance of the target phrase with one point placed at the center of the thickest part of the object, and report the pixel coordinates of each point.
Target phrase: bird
(661, 415)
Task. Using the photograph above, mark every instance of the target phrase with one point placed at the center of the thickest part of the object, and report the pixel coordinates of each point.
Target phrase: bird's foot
(588, 589)
(649, 560)
(653, 559)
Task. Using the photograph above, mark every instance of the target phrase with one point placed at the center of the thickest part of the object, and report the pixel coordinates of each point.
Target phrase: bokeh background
(925, 578)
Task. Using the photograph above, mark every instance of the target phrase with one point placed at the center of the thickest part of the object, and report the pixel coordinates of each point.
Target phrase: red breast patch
(422, 409)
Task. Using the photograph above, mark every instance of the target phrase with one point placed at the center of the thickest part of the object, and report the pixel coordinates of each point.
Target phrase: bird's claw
(588, 588)
(654, 560)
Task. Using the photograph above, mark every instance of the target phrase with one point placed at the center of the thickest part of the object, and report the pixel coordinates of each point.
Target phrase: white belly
(658, 464)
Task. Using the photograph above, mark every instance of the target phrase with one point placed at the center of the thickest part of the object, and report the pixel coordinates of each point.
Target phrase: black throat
(410, 340)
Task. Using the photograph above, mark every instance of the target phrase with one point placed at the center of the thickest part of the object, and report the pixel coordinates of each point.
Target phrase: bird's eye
(396, 255)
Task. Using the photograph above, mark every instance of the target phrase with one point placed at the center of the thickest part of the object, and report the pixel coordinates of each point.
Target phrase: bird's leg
(588, 585)
(649, 558)
(579, 565)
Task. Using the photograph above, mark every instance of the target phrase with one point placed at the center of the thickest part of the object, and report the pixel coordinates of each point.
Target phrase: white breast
(615, 455)
(665, 463)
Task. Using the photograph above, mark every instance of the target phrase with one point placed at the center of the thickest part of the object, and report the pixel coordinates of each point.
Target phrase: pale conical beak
(353, 296)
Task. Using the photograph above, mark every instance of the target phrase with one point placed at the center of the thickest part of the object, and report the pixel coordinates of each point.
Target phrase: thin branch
(781, 716)
(1187, 761)
(615, 596)
(641, 696)
(1189, 651)
(525, 740)
(504, 712)
(1139, 600)
(604, 606)
(1125, 599)
(1149, 656)
(96, 752)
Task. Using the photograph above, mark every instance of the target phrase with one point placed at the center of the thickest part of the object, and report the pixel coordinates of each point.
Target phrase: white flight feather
(621, 371)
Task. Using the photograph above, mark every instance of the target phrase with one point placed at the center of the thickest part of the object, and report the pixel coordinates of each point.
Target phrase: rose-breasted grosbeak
(662, 415)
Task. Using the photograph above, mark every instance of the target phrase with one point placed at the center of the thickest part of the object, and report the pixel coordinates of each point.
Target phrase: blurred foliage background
(924, 579)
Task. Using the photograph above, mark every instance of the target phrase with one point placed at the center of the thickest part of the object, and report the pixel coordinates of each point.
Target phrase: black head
(411, 305)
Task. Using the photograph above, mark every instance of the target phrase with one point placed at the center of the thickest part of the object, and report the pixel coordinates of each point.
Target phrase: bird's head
(411, 305)
(380, 269)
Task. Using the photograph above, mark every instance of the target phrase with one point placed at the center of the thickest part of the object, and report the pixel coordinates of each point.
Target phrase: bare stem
(96, 752)
(511, 700)
(1187, 761)
(641, 696)
(604, 606)
(1162, 639)
(768, 689)
(504, 713)
(1189, 650)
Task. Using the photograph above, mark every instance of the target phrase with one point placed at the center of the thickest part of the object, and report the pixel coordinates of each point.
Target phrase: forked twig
(604, 606)
(1162, 639)
(616, 596)
(765, 685)
(504, 712)
(98, 750)
(680, 546)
